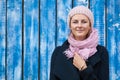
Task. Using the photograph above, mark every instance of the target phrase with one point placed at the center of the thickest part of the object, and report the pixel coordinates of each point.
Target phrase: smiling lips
(79, 29)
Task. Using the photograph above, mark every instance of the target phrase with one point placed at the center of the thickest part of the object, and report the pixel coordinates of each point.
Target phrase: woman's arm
(88, 72)
(52, 75)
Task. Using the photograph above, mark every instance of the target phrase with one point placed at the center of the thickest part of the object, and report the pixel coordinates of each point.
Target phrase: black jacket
(62, 68)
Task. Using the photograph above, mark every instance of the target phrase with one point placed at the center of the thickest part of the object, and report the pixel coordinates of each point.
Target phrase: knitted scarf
(85, 48)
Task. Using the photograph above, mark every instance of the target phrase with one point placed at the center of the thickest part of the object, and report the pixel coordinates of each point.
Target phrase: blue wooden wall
(31, 29)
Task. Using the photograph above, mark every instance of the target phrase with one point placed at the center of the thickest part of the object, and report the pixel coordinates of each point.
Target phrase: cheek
(72, 26)
(73, 30)
(87, 26)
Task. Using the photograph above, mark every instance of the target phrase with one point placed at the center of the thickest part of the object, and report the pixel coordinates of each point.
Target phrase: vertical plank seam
(72, 3)
(38, 39)
(22, 40)
(56, 24)
(6, 41)
(106, 26)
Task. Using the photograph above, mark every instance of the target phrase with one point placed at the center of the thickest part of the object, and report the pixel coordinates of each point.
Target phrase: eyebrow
(77, 19)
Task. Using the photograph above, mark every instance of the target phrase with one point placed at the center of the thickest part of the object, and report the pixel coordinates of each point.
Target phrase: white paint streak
(2, 34)
(3, 59)
(17, 71)
(114, 76)
(83, 2)
(2, 77)
(14, 40)
(110, 20)
(14, 16)
(117, 25)
(62, 12)
(14, 19)
(2, 38)
(113, 46)
(44, 75)
(118, 75)
(118, 48)
(43, 46)
(33, 34)
(33, 42)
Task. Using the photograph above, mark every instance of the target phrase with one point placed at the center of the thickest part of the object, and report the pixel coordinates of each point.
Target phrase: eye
(75, 21)
(84, 21)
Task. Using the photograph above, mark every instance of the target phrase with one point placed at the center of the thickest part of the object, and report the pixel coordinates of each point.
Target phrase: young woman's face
(80, 26)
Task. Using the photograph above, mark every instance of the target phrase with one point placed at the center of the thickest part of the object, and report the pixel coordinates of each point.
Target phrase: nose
(79, 24)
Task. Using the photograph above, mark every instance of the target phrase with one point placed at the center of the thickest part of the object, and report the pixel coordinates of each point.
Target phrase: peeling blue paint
(44, 27)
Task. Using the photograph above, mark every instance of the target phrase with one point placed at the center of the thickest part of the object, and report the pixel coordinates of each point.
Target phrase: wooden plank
(2, 38)
(47, 35)
(80, 2)
(113, 37)
(31, 39)
(98, 9)
(63, 7)
(14, 37)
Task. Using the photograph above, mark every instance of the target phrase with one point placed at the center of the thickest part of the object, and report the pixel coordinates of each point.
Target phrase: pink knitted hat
(81, 10)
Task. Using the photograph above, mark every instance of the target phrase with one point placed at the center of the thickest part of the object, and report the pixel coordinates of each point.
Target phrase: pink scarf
(85, 48)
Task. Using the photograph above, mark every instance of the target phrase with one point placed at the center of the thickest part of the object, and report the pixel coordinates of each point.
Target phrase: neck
(80, 38)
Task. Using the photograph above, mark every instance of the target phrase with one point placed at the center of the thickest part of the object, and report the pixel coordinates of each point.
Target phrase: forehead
(79, 16)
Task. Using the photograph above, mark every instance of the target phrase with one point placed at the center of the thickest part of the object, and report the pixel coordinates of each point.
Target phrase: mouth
(79, 30)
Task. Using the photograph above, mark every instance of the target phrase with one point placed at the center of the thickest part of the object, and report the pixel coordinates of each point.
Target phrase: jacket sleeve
(52, 75)
(103, 69)
(88, 74)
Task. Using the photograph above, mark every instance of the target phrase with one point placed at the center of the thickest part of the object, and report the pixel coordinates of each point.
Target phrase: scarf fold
(85, 48)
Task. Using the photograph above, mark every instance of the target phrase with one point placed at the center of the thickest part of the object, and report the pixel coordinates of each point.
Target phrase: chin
(80, 35)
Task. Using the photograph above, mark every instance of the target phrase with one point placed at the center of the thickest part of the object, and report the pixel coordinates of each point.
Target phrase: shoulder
(56, 51)
(60, 49)
(101, 48)
(102, 51)
(54, 55)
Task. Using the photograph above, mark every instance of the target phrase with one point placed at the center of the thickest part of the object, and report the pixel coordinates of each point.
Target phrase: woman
(80, 57)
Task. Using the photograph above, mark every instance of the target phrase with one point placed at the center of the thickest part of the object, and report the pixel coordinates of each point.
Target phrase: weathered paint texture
(31, 29)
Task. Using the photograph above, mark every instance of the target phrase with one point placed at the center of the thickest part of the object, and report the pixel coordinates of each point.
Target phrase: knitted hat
(81, 10)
